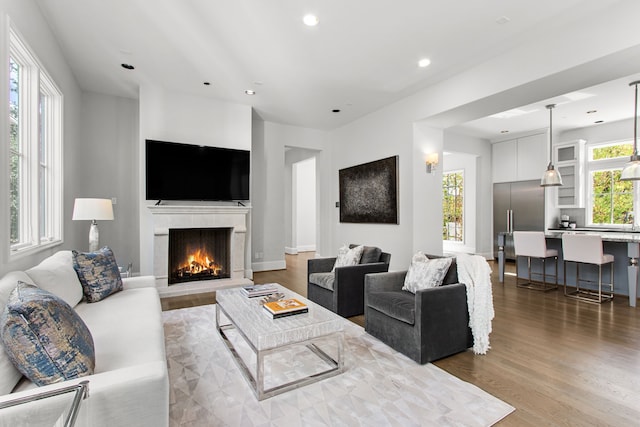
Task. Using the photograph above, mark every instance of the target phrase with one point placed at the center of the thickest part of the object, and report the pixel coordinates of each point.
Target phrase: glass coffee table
(277, 355)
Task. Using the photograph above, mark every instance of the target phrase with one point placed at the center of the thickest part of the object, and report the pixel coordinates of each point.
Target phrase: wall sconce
(432, 162)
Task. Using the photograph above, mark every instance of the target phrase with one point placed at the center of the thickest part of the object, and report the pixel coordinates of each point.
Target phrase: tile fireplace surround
(174, 216)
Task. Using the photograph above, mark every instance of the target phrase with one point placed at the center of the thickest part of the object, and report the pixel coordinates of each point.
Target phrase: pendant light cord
(635, 122)
(550, 108)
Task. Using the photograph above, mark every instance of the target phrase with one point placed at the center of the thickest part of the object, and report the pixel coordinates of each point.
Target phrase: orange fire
(200, 262)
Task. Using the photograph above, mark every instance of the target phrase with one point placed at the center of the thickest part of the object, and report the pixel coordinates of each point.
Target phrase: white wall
(26, 16)
(271, 222)
(304, 174)
(177, 117)
(109, 132)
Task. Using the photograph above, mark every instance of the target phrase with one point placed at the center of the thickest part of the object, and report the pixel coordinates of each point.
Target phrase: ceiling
(361, 56)
(605, 103)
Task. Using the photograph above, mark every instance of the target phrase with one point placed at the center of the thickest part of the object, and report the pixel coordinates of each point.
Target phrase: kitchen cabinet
(569, 161)
(520, 159)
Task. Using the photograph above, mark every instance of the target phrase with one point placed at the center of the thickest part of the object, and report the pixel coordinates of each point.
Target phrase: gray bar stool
(532, 244)
(587, 249)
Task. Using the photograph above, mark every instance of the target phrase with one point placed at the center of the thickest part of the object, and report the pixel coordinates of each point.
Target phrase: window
(611, 201)
(35, 152)
(453, 206)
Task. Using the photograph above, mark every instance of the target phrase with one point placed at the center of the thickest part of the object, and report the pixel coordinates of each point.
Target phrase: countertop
(607, 234)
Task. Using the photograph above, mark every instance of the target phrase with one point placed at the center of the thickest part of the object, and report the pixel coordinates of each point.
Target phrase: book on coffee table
(285, 307)
(259, 290)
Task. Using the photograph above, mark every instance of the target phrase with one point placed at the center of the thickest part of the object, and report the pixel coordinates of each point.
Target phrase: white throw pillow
(425, 273)
(56, 275)
(347, 257)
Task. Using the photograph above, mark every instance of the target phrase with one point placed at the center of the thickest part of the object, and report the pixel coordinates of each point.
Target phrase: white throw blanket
(475, 273)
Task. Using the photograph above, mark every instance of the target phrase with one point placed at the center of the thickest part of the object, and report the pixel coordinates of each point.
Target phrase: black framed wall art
(369, 192)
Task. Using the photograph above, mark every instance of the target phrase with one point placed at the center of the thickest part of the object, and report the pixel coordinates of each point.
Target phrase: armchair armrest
(320, 265)
(387, 281)
(444, 320)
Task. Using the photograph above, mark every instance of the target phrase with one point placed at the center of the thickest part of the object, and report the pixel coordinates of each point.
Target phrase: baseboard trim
(269, 265)
(290, 251)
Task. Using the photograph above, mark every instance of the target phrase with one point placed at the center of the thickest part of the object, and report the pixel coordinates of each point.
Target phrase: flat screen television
(177, 171)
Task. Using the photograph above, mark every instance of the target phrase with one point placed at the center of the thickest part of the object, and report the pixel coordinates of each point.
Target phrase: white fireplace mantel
(166, 217)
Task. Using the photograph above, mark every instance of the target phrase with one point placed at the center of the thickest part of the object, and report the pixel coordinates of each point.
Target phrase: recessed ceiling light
(310, 20)
(598, 121)
(335, 110)
(424, 62)
(250, 92)
(504, 131)
(207, 83)
(128, 66)
(592, 111)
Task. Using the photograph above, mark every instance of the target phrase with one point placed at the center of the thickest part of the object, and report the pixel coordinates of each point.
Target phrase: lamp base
(94, 237)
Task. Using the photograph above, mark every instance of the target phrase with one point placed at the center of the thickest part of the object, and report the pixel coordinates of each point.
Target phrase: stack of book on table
(259, 290)
(285, 307)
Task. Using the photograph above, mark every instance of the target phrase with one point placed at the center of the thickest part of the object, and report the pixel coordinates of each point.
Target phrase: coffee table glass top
(264, 332)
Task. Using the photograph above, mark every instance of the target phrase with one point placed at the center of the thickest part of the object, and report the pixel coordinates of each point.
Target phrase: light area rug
(380, 387)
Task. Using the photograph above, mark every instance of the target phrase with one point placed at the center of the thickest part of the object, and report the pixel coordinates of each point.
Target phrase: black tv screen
(192, 172)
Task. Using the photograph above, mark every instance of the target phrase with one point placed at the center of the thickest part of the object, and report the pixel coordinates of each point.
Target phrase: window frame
(604, 165)
(40, 121)
(460, 171)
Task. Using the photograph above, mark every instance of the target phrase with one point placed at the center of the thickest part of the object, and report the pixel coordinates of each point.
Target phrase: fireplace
(199, 254)
(173, 217)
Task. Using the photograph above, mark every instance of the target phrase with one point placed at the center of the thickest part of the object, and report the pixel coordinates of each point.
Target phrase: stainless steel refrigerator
(517, 206)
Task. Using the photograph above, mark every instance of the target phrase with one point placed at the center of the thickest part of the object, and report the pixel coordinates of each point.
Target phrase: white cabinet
(520, 159)
(569, 161)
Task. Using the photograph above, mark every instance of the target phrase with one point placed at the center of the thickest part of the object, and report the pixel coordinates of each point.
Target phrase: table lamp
(93, 210)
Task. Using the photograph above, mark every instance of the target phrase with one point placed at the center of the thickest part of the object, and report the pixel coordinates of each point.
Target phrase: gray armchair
(430, 325)
(343, 290)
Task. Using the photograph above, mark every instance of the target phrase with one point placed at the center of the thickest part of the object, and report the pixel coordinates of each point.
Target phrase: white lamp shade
(93, 209)
(631, 171)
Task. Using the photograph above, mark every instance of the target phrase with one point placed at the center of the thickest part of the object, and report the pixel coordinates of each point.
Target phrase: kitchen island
(624, 245)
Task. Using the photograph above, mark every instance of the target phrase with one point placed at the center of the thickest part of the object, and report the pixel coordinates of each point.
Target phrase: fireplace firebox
(199, 254)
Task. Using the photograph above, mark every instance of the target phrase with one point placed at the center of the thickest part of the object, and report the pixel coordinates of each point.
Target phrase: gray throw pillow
(425, 273)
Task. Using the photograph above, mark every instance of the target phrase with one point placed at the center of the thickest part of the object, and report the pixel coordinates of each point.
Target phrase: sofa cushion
(133, 337)
(56, 275)
(98, 273)
(348, 257)
(425, 273)
(9, 374)
(45, 339)
(324, 280)
(370, 254)
(400, 305)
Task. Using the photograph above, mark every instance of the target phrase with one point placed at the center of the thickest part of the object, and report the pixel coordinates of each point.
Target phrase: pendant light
(551, 177)
(631, 171)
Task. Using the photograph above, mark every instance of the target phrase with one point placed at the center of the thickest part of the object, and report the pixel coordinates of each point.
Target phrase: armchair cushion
(370, 254)
(400, 305)
(324, 280)
(425, 273)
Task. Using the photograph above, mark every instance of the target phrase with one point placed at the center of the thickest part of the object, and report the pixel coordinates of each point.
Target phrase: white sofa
(130, 384)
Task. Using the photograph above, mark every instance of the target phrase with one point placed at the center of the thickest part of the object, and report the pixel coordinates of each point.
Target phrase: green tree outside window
(452, 206)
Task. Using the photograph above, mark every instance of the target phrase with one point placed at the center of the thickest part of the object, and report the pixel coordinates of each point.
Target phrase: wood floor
(558, 361)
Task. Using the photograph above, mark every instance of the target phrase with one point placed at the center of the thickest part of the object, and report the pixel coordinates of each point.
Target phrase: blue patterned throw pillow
(44, 337)
(98, 273)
